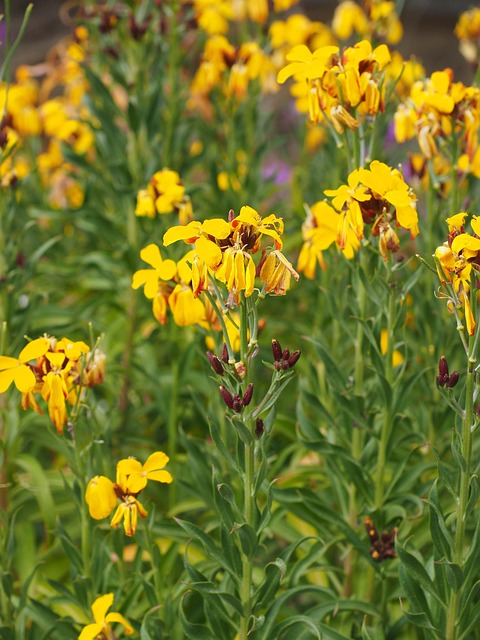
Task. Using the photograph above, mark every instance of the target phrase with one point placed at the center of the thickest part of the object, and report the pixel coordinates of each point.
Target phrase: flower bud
(294, 358)
(247, 396)
(452, 380)
(215, 363)
(237, 404)
(259, 428)
(276, 350)
(226, 396)
(224, 356)
(286, 353)
(443, 366)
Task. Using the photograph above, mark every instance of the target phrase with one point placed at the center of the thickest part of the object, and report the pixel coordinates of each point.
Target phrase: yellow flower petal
(24, 378)
(160, 476)
(91, 631)
(117, 617)
(157, 460)
(34, 349)
(100, 607)
(100, 497)
(7, 377)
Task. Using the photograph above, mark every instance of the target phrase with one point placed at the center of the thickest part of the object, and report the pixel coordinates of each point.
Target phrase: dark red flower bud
(224, 356)
(443, 366)
(226, 396)
(276, 350)
(278, 365)
(286, 353)
(259, 428)
(440, 381)
(237, 403)
(215, 363)
(247, 396)
(294, 358)
(452, 380)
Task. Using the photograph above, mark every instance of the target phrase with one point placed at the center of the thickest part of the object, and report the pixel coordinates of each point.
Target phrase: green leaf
(441, 537)
(274, 572)
(469, 618)
(206, 541)
(415, 595)
(417, 572)
(454, 575)
(248, 539)
(192, 630)
(293, 621)
(457, 452)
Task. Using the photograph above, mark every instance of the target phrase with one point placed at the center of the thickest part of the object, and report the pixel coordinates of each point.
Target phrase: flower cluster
(467, 31)
(102, 494)
(378, 197)
(165, 193)
(229, 69)
(57, 370)
(438, 111)
(377, 20)
(214, 16)
(224, 250)
(341, 87)
(62, 120)
(458, 259)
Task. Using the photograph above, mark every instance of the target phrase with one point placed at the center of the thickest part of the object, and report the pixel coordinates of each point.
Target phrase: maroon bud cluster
(283, 359)
(444, 379)
(235, 401)
(383, 546)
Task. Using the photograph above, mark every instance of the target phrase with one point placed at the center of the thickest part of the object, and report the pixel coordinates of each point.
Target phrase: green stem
(387, 421)
(357, 435)
(173, 424)
(465, 474)
(247, 562)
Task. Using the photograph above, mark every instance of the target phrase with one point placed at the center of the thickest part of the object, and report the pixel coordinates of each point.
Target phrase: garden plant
(239, 306)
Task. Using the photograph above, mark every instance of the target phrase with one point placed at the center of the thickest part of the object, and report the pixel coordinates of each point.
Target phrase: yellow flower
(100, 497)
(16, 370)
(276, 273)
(162, 270)
(131, 478)
(136, 474)
(55, 390)
(103, 620)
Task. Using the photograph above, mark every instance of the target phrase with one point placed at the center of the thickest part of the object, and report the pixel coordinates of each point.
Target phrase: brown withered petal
(237, 404)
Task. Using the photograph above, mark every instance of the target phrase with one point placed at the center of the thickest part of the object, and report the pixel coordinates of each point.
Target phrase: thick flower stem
(465, 473)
